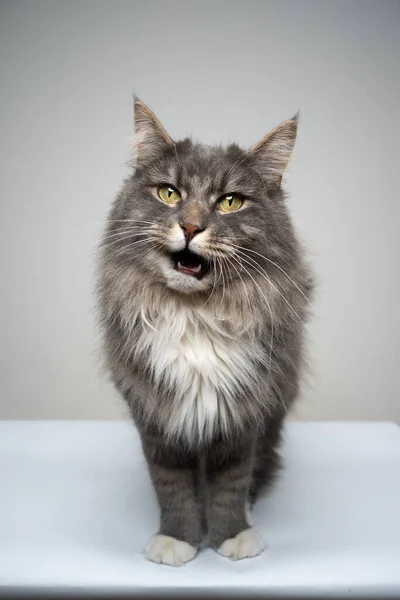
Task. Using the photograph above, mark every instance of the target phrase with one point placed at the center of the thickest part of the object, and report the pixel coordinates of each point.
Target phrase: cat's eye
(168, 194)
(230, 203)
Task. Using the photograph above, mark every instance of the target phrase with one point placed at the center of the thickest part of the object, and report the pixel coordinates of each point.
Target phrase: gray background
(221, 71)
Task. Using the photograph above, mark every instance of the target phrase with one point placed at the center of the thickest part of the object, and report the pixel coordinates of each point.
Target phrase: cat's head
(197, 217)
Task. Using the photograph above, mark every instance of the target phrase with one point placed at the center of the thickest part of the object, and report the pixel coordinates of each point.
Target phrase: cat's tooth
(197, 269)
(179, 264)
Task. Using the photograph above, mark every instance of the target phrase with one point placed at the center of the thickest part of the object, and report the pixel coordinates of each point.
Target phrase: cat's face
(191, 214)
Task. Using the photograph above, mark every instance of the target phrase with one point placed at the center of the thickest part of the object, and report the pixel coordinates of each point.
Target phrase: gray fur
(203, 480)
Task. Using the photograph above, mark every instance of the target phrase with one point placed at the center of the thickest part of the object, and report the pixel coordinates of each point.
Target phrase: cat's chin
(185, 283)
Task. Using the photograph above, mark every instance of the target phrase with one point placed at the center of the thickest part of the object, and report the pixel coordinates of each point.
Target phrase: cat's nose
(190, 230)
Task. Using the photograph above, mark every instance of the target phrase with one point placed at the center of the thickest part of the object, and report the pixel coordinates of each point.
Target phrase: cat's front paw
(245, 544)
(169, 551)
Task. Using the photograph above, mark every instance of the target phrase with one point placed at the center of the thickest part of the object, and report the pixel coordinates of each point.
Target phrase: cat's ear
(272, 153)
(150, 137)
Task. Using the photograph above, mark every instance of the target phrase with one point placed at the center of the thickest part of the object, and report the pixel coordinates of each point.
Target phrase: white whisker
(243, 283)
(270, 312)
(278, 267)
(129, 247)
(117, 221)
(215, 283)
(126, 236)
(257, 268)
(223, 284)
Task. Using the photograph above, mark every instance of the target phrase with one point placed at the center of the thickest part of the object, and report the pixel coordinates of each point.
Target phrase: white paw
(249, 515)
(246, 544)
(169, 551)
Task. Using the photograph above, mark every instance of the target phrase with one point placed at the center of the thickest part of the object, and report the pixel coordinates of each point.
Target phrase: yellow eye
(230, 203)
(168, 194)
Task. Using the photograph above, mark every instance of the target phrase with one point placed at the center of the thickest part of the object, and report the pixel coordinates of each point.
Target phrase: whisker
(242, 281)
(129, 231)
(278, 267)
(129, 221)
(130, 247)
(117, 221)
(215, 283)
(220, 247)
(271, 315)
(124, 232)
(258, 269)
(223, 283)
(139, 256)
(127, 236)
(135, 243)
(161, 243)
(121, 230)
(105, 233)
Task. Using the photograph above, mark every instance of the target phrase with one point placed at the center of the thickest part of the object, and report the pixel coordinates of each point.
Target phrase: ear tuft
(296, 117)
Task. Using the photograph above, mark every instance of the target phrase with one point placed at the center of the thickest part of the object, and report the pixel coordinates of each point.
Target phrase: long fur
(209, 367)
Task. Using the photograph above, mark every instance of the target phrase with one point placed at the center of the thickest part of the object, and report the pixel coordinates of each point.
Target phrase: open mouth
(188, 263)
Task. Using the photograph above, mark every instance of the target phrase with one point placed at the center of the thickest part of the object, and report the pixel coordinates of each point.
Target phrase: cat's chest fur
(205, 365)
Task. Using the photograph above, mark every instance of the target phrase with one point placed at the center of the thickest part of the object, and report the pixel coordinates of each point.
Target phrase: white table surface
(77, 508)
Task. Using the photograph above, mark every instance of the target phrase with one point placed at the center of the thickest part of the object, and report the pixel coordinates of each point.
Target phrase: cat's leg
(174, 474)
(229, 470)
(267, 460)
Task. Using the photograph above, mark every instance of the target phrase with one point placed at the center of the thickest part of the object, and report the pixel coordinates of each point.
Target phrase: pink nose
(190, 230)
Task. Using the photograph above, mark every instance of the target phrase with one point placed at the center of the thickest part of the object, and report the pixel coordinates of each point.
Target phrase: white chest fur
(194, 354)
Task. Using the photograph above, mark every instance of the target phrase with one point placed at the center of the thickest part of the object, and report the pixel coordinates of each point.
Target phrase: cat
(203, 295)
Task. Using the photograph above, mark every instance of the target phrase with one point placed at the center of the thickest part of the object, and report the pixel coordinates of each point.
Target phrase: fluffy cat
(203, 295)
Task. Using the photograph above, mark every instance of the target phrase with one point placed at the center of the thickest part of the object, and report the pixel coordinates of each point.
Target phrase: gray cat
(203, 294)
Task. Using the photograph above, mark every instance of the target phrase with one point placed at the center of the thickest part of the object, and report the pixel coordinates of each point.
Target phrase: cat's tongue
(188, 267)
(188, 263)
